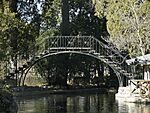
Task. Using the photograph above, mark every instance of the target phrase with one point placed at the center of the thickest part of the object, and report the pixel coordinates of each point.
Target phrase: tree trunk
(1, 6)
(13, 5)
(100, 69)
(65, 29)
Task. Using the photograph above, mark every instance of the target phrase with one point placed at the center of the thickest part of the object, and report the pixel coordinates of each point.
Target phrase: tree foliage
(16, 36)
(16, 33)
(128, 24)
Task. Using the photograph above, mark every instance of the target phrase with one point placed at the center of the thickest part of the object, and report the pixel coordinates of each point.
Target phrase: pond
(78, 103)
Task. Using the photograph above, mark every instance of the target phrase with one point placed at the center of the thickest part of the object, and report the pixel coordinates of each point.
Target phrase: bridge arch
(68, 52)
(84, 45)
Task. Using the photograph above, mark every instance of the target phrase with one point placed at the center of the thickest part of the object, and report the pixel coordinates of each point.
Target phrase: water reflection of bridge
(83, 45)
(78, 103)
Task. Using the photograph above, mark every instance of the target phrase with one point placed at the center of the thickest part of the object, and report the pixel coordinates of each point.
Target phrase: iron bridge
(85, 45)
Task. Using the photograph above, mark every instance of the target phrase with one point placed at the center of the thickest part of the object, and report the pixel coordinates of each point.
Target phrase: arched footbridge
(84, 45)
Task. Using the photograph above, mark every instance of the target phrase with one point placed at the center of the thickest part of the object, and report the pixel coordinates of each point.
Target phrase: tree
(8, 23)
(65, 27)
(128, 25)
(16, 26)
(29, 12)
(83, 19)
(51, 16)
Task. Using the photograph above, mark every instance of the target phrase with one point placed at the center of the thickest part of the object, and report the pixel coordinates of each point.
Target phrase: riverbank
(40, 92)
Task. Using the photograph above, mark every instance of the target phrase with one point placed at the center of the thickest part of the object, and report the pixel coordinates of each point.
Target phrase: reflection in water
(124, 107)
(85, 103)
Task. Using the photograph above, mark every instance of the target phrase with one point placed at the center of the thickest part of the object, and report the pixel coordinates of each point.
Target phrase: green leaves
(128, 24)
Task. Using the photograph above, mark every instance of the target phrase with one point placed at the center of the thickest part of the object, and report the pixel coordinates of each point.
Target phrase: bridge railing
(76, 42)
(86, 44)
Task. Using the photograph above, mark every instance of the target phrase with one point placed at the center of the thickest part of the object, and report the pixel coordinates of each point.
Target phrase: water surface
(78, 103)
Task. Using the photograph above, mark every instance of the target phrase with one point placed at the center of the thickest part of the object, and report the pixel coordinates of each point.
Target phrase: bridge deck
(70, 48)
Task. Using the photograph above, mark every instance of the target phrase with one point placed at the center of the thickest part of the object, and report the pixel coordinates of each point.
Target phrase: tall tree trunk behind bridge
(100, 69)
(65, 29)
